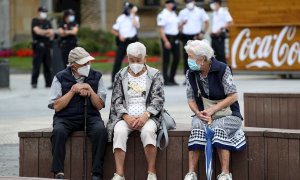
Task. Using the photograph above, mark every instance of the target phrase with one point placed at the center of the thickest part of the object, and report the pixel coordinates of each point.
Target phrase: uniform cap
(42, 9)
(216, 1)
(170, 1)
(68, 12)
(188, 1)
(80, 56)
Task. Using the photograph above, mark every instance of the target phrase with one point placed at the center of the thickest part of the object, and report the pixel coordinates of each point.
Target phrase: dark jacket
(75, 107)
(216, 88)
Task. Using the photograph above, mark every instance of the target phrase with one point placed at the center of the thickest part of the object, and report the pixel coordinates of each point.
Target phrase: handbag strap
(162, 133)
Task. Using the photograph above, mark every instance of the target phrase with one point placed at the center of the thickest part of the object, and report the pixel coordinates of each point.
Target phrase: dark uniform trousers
(63, 127)
(218, 45)
(41, 54)
(66, 46)
(120, 54)
(185, 38)
(174, 41)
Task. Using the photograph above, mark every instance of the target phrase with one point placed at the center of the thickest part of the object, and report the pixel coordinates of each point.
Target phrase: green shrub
(96, 40)
(152, 45)
(21, 45)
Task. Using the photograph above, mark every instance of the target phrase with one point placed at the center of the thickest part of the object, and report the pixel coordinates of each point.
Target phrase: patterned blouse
(137, 94)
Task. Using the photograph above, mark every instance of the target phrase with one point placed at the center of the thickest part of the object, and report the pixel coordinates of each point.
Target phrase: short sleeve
(204, 16)
(161, 20)
(227, 16)
(189, 91)
(181, 16)
(116, 26)
(228, 83)
(34, 23)
(55, 92)
(102, 90)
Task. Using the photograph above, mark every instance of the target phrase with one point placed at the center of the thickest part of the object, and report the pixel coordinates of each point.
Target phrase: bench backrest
(270, 110)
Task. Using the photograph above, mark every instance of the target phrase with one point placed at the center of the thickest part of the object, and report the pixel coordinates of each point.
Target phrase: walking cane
(84, 176)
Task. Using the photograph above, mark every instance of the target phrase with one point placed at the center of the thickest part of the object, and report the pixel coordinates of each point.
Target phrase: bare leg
(120, 159)
(150, 152)
(193, 160)
(224, 156)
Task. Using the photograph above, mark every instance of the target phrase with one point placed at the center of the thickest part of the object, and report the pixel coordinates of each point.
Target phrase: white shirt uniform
(220, 19)
(169, 21)
(195, 20)
(125, 27)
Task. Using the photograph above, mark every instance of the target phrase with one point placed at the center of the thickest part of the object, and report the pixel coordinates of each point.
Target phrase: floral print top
(136, 94)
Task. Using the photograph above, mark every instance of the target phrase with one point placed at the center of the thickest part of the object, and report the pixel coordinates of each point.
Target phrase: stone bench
(270, 154)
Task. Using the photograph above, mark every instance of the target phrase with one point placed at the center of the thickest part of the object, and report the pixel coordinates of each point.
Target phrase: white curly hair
(136, 49)
(200, 48)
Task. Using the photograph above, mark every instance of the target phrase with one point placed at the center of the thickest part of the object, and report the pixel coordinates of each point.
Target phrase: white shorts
(122, 130)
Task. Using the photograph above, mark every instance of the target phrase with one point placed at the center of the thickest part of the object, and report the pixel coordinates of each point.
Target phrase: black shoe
(34, 86)
(166, 83)
(59, 176)
(96, 178)
(173, 83)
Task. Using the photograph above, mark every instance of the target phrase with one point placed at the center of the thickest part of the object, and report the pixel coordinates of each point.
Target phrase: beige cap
(80, 56)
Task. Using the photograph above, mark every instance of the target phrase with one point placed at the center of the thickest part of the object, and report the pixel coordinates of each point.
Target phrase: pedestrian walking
(42, 33)
(168, 24)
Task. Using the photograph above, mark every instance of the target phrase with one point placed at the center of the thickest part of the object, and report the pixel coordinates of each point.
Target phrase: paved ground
(23, 108)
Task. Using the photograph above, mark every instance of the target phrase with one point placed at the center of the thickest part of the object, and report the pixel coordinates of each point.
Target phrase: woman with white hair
(212, 96)
(137, 100)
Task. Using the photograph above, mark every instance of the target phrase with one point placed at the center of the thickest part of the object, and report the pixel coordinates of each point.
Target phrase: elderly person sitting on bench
(209, 80)
(137, 99)
(69, 90)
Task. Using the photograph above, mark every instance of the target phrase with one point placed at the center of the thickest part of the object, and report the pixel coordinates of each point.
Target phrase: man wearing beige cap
(68, 92)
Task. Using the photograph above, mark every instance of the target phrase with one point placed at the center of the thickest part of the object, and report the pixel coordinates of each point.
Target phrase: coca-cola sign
(255, 48)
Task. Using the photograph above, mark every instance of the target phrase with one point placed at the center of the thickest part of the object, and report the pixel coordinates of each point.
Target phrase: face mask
(136, 68)
(71, 18)
(193, 65)
(190, 5)
(84, 70)
(43, 15)
(213, 6)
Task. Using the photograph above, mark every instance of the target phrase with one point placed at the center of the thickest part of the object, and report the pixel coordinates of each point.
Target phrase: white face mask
(84, 70)
(213, 6)
(43, 15)
(190, 5)
(71, 18)
(136, 68)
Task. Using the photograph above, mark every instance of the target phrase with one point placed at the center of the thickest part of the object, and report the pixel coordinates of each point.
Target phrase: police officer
(42, 31)
(168, 24)
(194, 22)
(125, 30)
(220, 23)
(68, 30)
